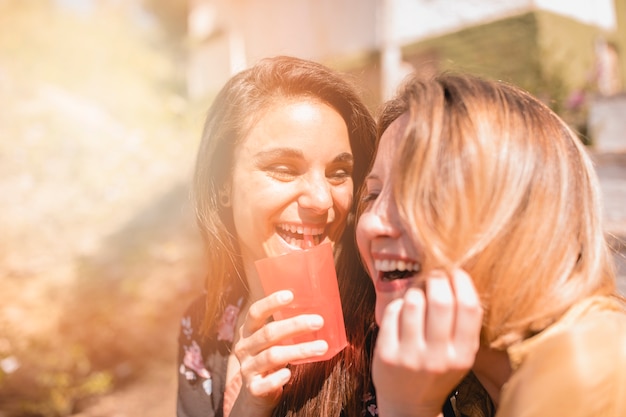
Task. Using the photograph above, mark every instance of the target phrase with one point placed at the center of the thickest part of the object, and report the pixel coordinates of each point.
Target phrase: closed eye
(339, 175)
(369, 197)
(371, 190)
(282, 172)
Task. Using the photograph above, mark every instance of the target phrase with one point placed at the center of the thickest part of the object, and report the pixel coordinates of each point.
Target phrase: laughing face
(291, 185)
(392, 259)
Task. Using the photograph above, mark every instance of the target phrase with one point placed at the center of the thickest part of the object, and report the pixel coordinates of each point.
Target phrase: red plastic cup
(310, 275)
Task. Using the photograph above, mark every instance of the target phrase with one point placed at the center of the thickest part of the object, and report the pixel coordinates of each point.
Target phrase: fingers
(278, 356)
(426, 343)
(260, 333)
(440, 313)
(278, 331)
(263, 350)
(442, 319)
(412, 320)
(388, 339)
(264, 345)
(260, 311)
(401, 331)
(469, 315)
(271, 382)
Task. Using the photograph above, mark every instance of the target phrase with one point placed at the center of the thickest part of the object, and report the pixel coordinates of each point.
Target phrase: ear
(223, 195)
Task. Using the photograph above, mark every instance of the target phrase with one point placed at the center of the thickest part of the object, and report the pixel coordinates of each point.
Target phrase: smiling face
(291, 185)
(392, 259)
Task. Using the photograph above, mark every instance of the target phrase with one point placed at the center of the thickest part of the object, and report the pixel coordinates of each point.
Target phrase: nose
(316, 194)
(380, 219)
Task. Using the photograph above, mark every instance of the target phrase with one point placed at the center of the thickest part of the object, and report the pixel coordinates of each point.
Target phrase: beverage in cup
(310, 275)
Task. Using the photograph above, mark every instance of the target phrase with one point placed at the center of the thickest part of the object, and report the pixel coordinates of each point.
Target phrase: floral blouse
(202, 363)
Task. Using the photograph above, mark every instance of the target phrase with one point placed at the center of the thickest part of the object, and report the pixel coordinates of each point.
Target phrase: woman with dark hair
(285, 145)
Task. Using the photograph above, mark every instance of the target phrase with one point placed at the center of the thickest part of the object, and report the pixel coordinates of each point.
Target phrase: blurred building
(228, 35)
(560, 50)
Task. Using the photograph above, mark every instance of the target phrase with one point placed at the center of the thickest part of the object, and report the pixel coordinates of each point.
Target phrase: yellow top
(574, 368)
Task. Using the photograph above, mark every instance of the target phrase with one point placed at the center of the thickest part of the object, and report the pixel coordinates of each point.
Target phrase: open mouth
(300, 236)
(393, 269)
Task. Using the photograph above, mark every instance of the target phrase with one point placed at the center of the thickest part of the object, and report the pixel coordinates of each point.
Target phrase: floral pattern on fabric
(226, 325)
(193, 368)
(193, 364)
(193, 360)
(369, 405)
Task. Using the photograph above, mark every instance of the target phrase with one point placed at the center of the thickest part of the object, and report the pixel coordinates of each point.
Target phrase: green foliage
(98, 90)
(549, 55)
(51, 381)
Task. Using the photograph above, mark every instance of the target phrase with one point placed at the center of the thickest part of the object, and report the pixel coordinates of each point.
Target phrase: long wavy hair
(331, 385)
(491, 180)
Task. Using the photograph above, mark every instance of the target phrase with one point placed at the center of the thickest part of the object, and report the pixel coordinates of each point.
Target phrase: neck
(254, 283)
(493, 369)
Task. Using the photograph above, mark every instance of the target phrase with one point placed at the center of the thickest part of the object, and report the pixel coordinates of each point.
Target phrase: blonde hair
(491, 180)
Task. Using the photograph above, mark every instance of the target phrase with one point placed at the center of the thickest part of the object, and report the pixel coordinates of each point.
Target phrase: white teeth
(313, 231)
(384, 265)
(387, 265)
(308, 236)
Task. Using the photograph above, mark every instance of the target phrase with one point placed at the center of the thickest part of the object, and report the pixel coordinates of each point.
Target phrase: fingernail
(414, 296)
(316, 322)
(285, 296)
(319, 347)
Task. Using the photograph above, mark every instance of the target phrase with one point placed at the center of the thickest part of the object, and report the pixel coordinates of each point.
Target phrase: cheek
(363, 248)
(381, 304)
(343, 197)
(363, 238)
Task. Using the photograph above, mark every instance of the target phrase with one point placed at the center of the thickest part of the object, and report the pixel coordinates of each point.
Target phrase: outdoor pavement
(611, 169)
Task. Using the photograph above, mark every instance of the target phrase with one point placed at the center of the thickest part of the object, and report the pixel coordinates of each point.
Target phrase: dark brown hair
(319, 388)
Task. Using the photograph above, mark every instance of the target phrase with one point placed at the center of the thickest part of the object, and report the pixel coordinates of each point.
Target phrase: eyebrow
(344, 157)
(280, 152)
(372, 176)
(295, 153)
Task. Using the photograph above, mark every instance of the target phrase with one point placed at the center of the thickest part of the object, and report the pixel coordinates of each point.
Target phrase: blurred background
(102, 104)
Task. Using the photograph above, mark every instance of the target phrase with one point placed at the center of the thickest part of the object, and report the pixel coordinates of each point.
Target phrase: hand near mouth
(427, 342)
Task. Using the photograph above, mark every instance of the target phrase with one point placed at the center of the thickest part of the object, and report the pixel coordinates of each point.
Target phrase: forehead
(292, 112)
(300, 122)
(299, 108)
(389, 142)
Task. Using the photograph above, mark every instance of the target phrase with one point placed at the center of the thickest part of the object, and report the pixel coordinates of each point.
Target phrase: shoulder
(582, 366)
(590, 352)
(196, 307)
(191, 320)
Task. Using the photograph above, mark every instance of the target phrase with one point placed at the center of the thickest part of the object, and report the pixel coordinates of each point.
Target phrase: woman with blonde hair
(481, 229)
